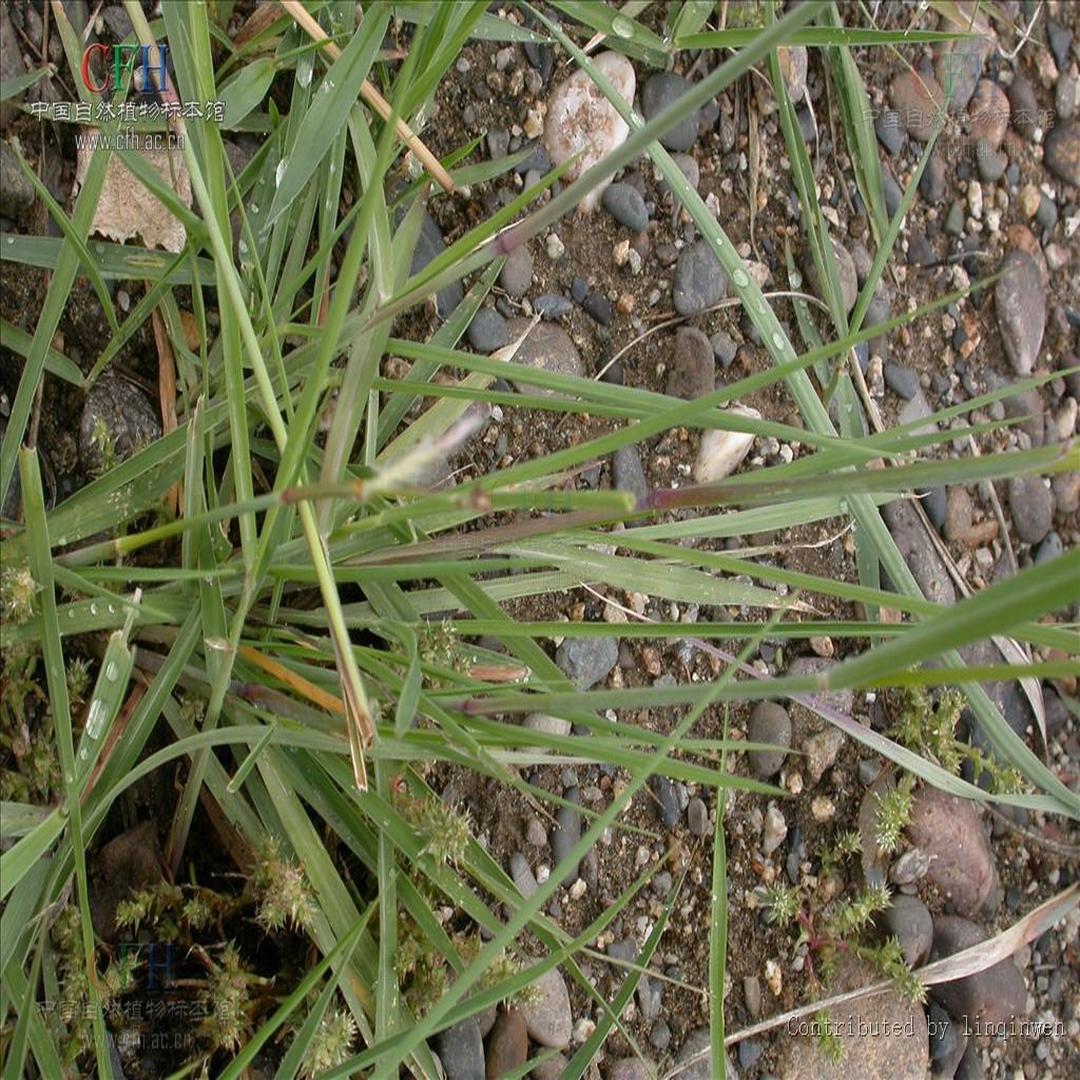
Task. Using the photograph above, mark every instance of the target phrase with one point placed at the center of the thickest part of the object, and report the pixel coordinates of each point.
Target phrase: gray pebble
(429, 246)
(552, 307)
(660, 92)
(487, 331)
(901, 380)
(890, 130)
(668, 800)
(693, 369)
(990, 163)
(117, 421)
(598, 307)
(932, 182)
(1032, 507)
(660, 1036)
(1050, 548)
(700, 280)
(724, 347)
(935, 503)
(629, 475)
(908, 919)
(954, 220)
(567, 832)
(16, 192)
(697, 814)
(498, 143)
(517, 272)
(625, 204)
(769, 723)
(579, 289)
(461, 1050)
(585, 661)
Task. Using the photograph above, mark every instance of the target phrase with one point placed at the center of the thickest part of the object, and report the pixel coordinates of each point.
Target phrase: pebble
(548, 1019)
(889, 128)
(947, 1042)
(992, 996)
(919, 252)
(845, 271)
(667, 799)
(769, 723)
(1050, 548)
(723, 347)
(521, 872)
(891, 190)
(629, 475)
(935, 503)
(1020, 301)
(117, 421)
(690, 169)
(697, 815)
(517, 272)
(628, 1069)
(693, 370)
(699, 1042)
(1060, 39)
(487, 331)
(1023, 106)
(552, 307)
(1031, 506)
(11, 66)
(507, 1045)
(659, 93)
(821, 750)
(650, 997)
(16, 192)
(660, 1036)
(989, 114)
(1067, 97)
(699, 280)
(752, 995)
(774, 831)
(1061, 152)
(954, 220)
(585, 661)
(598, 307)
(549, 725)
(581, 120)
(990, 163)
(908, 919)
(975, 199)
(498, 143)
(554, 247)
(959, 65)
(567, 832)
(722, 452)
(552, 1069)
(918, 100)
(625, 204)
(948, 830)
(429, 246)
(901, 380)
(932, 181)
(461, 1050)
(548, 347)
(535, 832)
(794, 68)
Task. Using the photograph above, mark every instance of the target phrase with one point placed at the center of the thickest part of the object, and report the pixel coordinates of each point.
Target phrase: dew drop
(111, 671)
(279, 172)
(11, 239)
(71, 613)
(622, 26)
(93, 607)
(84, 753)
(779, 340)
(304, 68)
(740, 278)
(112, 609)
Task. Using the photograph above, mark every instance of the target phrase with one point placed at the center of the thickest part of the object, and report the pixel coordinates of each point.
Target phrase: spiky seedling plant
(282, 890)
(331, 1044)
(18, 594)
(893, 814)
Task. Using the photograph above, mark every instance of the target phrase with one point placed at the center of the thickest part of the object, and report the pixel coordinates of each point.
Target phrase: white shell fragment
(722, 452)
(580, 118)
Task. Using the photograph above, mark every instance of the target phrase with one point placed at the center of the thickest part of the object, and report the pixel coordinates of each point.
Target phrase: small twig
(372, 96)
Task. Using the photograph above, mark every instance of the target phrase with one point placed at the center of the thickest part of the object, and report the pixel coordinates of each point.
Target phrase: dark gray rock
(579, 289)
(890, 130)
(1050, 548)
(660, 1035)
(547, 347)
(461, 1050)
(1047, 214)
(1060, 38)
(914, 545)
(16, 192)
(695, 1059)
(908, 920)
(769, 723)
(567, 832)
(598, 307)
(1020, 301)
(650, 996)
(1061, 152)
(548, 1019)
(919, 252)
(693, 368)
(958, 67)
(890, 189)
(1023, 106)
(901, 380)
(954, 220)
(11, 66)
(690, 169)
(990, 163)
(552, 307)
(625, 204)
(724, 347)
(935, 503)
(697, 817)
(117, 421)
(700, 280)
(487, 331)
(429, 246)
(521, 872)
(659, 93)
(629, 475)
(932, 181)
(585, 661)
(947, 1042)
(992, 996)
(1032, 507)
(517, 272)
(667, 800)
(498, 143)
